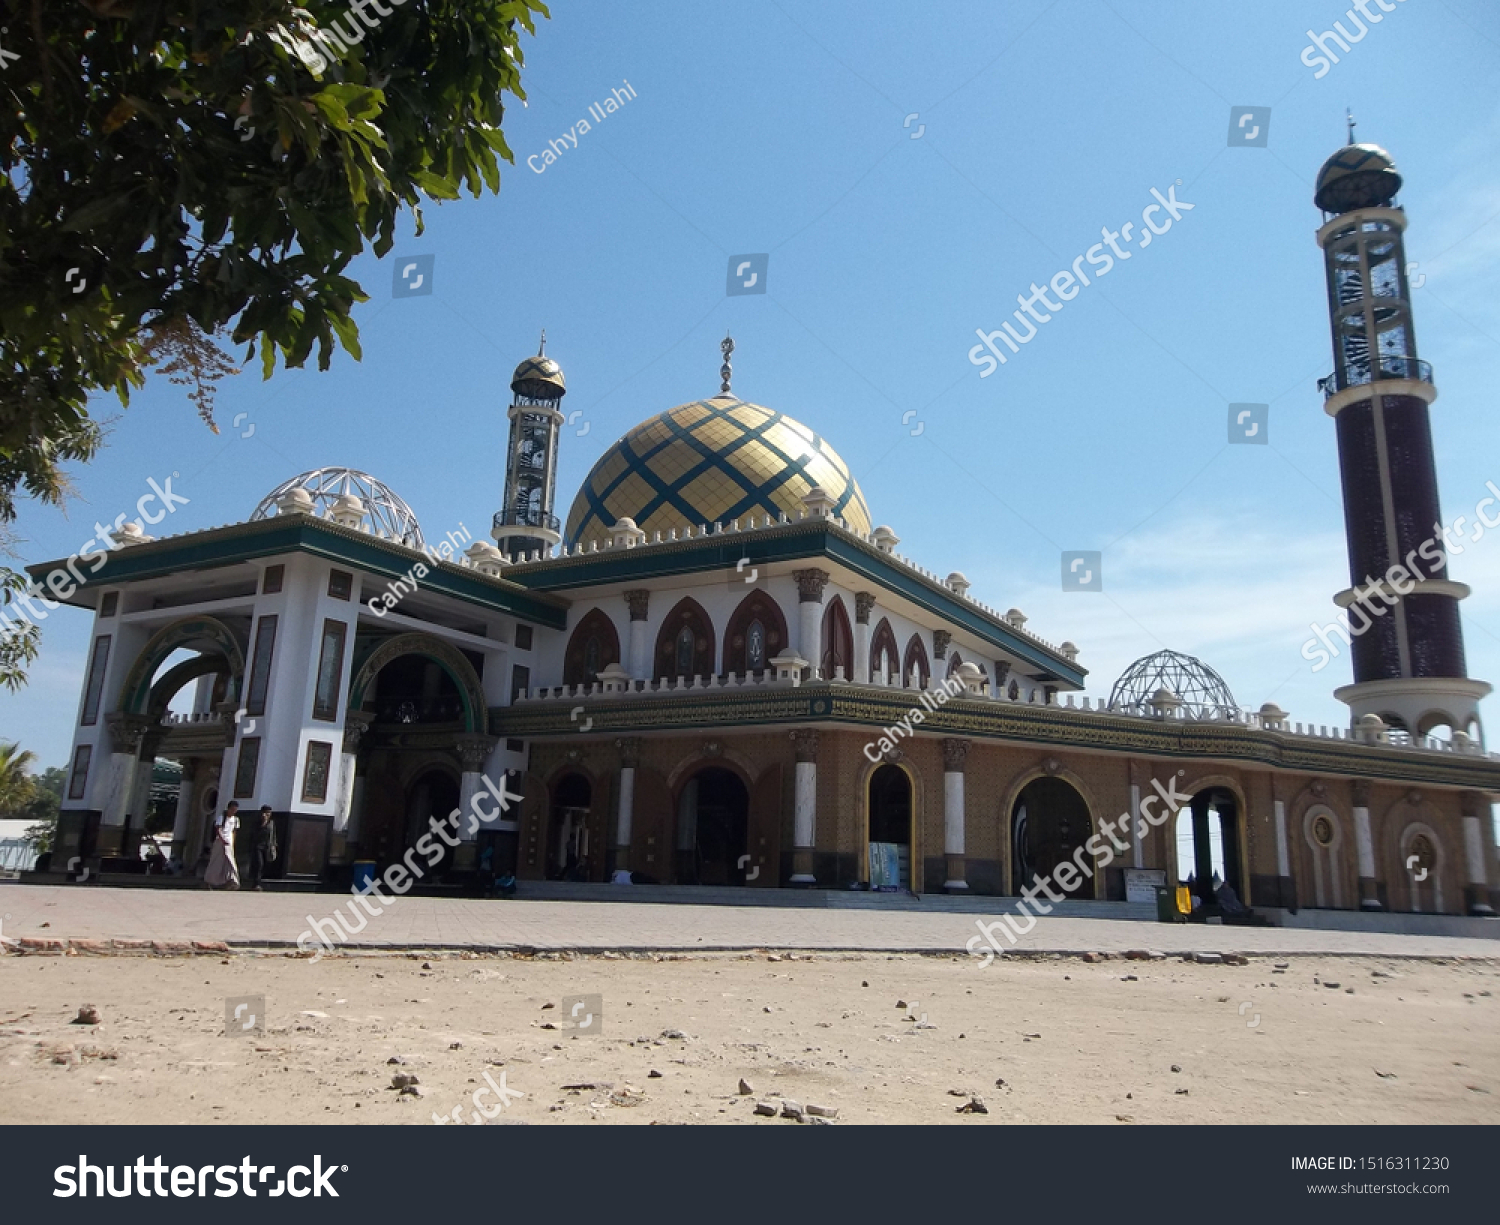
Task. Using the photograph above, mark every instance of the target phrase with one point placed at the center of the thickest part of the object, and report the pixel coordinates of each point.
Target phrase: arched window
(915, 672)
(885, 655)
(838, 642)
(593, 646)
(755, 647)
(746, 651)
(685, 642)
(954, 662)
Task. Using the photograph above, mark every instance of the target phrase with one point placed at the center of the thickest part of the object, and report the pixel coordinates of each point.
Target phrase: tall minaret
(526, 524)
(1409, 660)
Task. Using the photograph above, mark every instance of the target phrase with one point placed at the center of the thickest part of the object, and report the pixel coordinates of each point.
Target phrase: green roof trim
(215, 548)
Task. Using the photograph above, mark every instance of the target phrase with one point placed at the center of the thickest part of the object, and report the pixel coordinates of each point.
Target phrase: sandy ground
(880, 1039)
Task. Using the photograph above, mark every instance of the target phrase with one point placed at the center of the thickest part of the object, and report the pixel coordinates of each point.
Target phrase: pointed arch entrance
(890, 851)
(837, 659)
(1049, 822)
(713, 828)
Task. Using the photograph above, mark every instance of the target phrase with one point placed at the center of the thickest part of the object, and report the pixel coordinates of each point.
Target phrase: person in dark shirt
(262, 847)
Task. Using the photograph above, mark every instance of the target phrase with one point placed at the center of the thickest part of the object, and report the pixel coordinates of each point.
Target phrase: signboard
(1141, 884)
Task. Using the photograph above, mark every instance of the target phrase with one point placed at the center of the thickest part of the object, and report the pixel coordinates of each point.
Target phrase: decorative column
(1369, 893)
(940, 641)
(954, 754)
(864, 604)
(345, 829)
(1285, 887)
(805, 804)
(1476, 811)
(184, 808)
(639, 661)
(126, 732)
(473, 752)
(1137, 855)
(1203, 860)
(810, 584)
(630, 758)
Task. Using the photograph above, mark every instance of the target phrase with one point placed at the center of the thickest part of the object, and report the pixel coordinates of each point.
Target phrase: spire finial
(542, 351)
(1349, 115)
(726, 347)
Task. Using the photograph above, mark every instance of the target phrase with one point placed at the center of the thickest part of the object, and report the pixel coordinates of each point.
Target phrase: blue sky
(775, 127)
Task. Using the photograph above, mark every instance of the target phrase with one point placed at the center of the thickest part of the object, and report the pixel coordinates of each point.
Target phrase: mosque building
(720, 671)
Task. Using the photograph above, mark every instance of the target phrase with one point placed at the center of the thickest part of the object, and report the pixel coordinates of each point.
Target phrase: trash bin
(364, 875)
(1166, 905)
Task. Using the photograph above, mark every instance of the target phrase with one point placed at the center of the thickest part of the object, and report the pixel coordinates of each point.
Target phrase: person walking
(263, 849)
(223, 872)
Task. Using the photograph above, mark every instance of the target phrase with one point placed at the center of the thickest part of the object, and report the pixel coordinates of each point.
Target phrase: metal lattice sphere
(1202, 691)
(386, 514)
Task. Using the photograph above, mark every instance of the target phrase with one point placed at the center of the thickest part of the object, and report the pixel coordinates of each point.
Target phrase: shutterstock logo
(189, 1181)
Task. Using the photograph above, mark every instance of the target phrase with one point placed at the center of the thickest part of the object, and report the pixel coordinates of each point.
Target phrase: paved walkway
(271, 920)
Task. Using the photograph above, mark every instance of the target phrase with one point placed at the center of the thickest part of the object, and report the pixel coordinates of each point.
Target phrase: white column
(805, 814)
(810, 632)
(473, 753)
(810, 584)
(953, 820)
(639, 661)
(184, 807)
(627, 807)
(468, 788)
(1365, 847)
(1474, 855)
(1283, 856)
(1136, 854)
(864, 605)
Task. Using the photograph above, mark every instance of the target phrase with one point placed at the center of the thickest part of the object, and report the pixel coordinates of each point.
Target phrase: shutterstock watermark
(95, 550)
(304, 41)
(1399, 580)
(1092, 857)
(1343, 37)
(949, 688)
(502, 1091)
(399, 877)
(1066, 285)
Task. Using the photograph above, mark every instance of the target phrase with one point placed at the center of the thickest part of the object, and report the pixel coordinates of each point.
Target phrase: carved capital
(127, 732)
(805, 745)
(638, 600)
(940, 641)
(630, 751)
(810, 584)
(864, 605)
(356, 724)
(1361, 791)
(473, 752)
(955, 752)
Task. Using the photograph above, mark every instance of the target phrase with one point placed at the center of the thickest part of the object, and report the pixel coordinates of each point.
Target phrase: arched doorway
(570, 850)
(889, 807)
(713, 828)
(433, 793)
(1049, 822)
(1208, 843)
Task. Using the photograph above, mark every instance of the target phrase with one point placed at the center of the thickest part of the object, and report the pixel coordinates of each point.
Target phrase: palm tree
(16, 784)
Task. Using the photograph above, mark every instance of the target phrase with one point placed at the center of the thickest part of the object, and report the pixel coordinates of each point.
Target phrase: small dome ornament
(539, 377)
(1357, 176)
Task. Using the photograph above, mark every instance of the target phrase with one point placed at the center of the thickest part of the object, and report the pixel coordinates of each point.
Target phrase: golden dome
(539, 378)
(711, 461)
